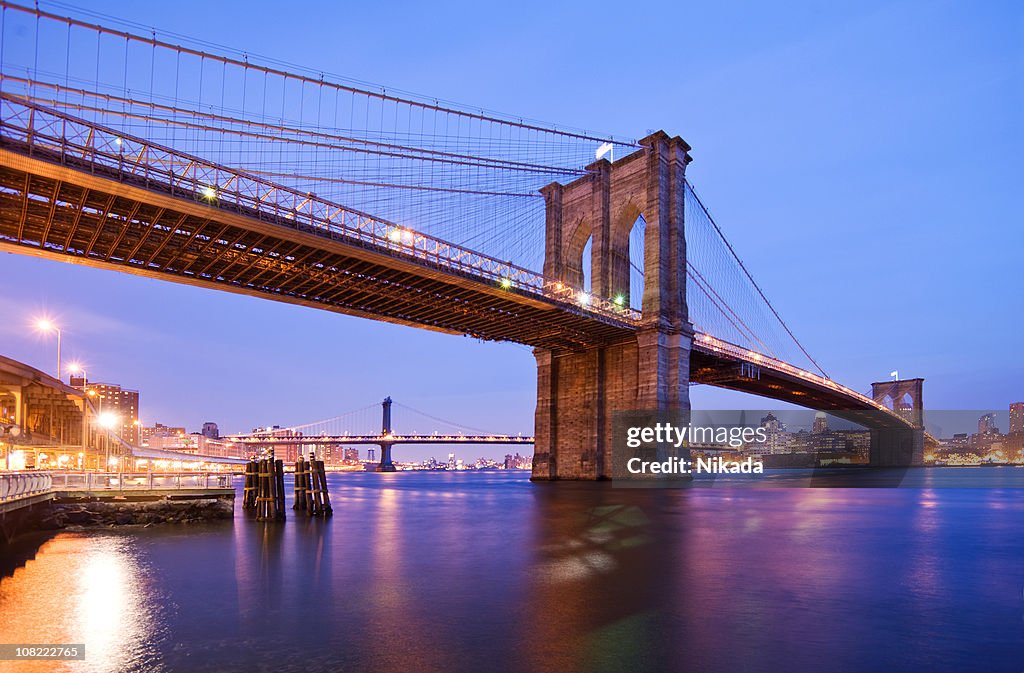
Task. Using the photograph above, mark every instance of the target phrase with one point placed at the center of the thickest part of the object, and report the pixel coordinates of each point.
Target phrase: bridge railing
(153, 166)
(15, 485)
(138, 481)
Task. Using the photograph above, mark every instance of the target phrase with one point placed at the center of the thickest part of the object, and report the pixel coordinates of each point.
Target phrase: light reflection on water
(487, 572)
(82, 589)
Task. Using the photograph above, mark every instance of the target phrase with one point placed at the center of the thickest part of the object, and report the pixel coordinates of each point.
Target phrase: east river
(483, 572)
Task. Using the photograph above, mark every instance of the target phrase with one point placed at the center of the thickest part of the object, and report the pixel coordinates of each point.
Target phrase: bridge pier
(386, 465)
(897, 447)
(902, 447)
(578, 392)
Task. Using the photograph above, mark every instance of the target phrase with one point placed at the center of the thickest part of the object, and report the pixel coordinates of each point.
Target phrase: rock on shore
(122, 513)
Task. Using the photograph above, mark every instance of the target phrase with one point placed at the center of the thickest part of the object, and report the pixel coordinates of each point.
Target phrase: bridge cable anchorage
(757, 287)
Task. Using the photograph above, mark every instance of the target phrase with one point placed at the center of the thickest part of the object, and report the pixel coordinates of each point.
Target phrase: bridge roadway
(78, 192)
(320, 440)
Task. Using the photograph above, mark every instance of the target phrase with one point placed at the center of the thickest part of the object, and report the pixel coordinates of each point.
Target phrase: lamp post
(77, 368)
(46, 325)
(108, 422)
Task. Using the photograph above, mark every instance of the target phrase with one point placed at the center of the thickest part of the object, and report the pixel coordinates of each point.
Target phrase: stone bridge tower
(577, 391)
(905, 446)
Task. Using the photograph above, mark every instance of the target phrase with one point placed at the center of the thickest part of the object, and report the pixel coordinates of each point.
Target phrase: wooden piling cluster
(311, 487)
(264, 489)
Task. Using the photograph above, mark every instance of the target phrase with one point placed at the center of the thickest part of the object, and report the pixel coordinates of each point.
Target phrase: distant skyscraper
(820, 423)
(987, 425)
(1017, 418)
(211, 430)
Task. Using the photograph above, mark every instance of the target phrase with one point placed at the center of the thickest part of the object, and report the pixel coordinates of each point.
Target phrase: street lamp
(108, 421)
(46, 325)
(77, 368)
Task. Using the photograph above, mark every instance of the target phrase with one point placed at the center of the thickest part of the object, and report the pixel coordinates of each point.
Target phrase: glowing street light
(76, 368)
(210, 193)
(583, 298)
(506, 283)
(107, 420)
(619, 300)
(47, 326)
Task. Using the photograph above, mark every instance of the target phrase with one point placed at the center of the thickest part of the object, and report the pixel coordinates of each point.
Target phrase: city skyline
(200, 356)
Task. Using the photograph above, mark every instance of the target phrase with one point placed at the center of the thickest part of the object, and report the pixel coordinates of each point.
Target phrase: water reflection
(84, 589)
(472, 572)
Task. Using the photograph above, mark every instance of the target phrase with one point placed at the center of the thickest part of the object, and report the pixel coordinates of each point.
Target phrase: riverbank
(103, 514)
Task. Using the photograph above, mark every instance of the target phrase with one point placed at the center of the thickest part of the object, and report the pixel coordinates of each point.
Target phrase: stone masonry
(578, 391)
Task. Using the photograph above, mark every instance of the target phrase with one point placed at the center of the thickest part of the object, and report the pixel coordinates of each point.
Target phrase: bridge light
(583, 298)
(210, 193)
(619, 300)
(395, 236)
(506, 283)
(117, 141)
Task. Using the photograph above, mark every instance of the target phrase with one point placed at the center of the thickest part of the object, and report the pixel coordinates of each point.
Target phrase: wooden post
(262, 491)
(322, 471)
(272, 491)
(307, 479)
(279, 489)
(249, 492)
(300, 484)
(318, 489)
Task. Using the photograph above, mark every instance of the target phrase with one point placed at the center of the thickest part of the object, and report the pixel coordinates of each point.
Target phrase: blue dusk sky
(862, 157)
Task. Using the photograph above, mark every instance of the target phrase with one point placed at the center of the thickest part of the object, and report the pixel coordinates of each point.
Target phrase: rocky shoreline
(104, 514)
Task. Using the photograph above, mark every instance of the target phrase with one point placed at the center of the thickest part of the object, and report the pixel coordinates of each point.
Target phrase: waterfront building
(121, 403)
(1017, 418)
(987, 425)
(159, 434)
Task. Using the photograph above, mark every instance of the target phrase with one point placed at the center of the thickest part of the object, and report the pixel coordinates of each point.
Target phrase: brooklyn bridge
(122, 149)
